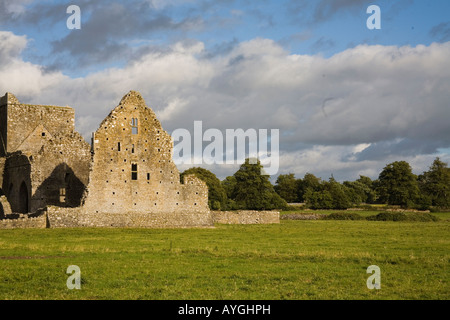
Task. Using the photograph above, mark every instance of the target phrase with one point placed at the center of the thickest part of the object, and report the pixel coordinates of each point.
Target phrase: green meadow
(293, 260)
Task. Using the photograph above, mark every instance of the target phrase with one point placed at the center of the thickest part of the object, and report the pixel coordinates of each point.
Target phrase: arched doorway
(23, 198)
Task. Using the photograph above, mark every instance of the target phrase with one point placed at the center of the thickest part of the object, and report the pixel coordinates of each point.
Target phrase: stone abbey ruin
(51, 177)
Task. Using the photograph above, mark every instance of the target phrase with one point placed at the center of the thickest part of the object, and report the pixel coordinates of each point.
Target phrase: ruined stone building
(132, 167)
(43, 160)
(126, 177)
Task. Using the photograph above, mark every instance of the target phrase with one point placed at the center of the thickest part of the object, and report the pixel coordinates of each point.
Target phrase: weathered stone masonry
(126, 178)
(44, 161)
(132, 168)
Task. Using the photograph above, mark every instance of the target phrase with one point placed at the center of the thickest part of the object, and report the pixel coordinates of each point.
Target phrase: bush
(214, 205)
(319, 200)
(231, 205)
(401, 216)
(423, 202)
(419, 216)
(388, 216)
(439, 209)
(342, 216)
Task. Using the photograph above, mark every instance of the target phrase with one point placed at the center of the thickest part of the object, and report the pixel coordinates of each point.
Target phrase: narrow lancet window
(134, 125)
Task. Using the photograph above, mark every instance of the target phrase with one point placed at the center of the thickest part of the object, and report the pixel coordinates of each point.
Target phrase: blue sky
(249, 64)
(302, 27)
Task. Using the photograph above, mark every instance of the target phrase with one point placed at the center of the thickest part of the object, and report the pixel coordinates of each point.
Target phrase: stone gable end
(132, 168)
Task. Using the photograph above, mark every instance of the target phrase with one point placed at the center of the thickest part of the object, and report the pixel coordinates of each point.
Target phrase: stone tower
(43, 160)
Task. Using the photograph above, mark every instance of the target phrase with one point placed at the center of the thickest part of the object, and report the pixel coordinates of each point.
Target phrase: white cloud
(20, 77)
(15, 7)
(172, 108)
(12, 45)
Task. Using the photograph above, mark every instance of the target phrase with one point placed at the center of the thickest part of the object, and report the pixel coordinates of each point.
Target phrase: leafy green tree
(360, 191)
(338, 193)
(318, 200)
(327, 195)
(309, 182)
(435, 184)
(229, 184)
(376, 187)
(286, 187)
(217, 196)
(253, 190)
(369, 190)
(355, 192)
(398, 185)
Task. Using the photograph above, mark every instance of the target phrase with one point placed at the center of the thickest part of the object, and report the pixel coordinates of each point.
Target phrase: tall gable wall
(132, 168)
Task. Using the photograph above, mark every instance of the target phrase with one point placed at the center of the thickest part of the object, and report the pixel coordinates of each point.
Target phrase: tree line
(248, 189)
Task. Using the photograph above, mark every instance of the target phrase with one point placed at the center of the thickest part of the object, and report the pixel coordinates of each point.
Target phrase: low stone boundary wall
(63, 217)
(407, 210)
(57, 217)
(246, 217)
(24, 222)
(76, 217)
(295, 216)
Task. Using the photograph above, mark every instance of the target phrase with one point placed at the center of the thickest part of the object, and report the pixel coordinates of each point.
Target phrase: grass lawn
(363, 213)
(293, 260)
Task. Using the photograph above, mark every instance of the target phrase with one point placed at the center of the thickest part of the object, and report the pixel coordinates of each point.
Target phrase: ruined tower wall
(3, 124)
(60, 172)
(132, 168)
(46, 160)
(29, 126)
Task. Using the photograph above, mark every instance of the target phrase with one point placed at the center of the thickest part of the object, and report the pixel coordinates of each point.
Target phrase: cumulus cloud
(22, 77)
(104, 36)
(346, 115)
(12, 45)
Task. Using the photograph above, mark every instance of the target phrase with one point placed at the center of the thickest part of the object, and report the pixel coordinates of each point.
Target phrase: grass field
(293, 260)
(364, 213)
